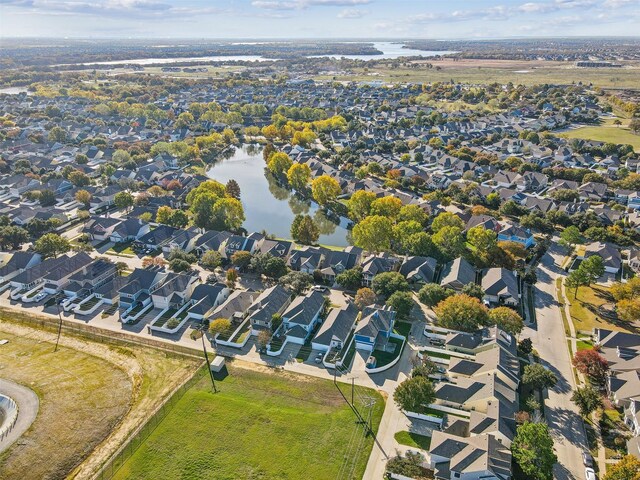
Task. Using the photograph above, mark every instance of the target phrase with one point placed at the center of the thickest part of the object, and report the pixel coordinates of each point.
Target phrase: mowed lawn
(82, 398)
(607, 132)
(261, 425)
(584, 309)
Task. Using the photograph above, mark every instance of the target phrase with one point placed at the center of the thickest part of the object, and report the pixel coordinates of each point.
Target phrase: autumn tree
(279, 164)
(628, 468)
(359, 205)
(589, 362)
(506, 319)
(373, 234)
(219, 325)
(298, 176)
(325, 189)
(364, 297)
(84, 197)
(461, 312)
(388, 206)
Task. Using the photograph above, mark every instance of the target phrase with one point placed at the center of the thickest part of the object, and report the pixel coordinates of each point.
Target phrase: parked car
(587, 459)
(590, 474)
(319, 288)
(318, 358)
(40, 296)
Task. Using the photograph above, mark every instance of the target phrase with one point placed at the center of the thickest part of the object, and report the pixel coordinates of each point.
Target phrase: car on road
(590, 474)
(587, 459)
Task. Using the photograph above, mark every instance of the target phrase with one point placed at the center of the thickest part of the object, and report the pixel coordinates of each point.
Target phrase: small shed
(217, 364)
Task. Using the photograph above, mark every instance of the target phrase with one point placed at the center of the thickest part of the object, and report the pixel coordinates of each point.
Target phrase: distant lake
(389, 50)
(267, 205)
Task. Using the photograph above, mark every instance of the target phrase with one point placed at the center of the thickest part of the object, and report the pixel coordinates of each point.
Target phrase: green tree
(350, 279)
(57, 134)
(461, 312)
(123, 200)
(413, 393)
(587, 399)
(83, 197)
(219, 325)
(532, 450)
(178, 219)
(325, 189)
(227, 214)
(473, 290)
(538, 377)
(576, 279)
(401, 302)
(279, 164)
(373, 234)
(482, 239)
(387, 283)
(47, 198)
(359, 205)
(296, 282)
(298, 176)
(211, 260)
(412, 213)
(446, 219)
(12, 237)
(570, 237)
(432, 294)
(420, 244)
(506, 319)
(268, 265)
(593, 267)
(241, 259)
(52, 245)
(304, 230)
(449, 241)
(232, 189)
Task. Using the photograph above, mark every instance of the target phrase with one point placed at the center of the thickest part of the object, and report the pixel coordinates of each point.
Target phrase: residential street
(550, 341)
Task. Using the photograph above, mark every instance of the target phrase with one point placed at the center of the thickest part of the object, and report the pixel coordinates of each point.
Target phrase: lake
(389, 50)
(267, 205)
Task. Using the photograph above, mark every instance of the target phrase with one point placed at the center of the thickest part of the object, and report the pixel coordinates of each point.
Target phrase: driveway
(28, 405)
(550, 341)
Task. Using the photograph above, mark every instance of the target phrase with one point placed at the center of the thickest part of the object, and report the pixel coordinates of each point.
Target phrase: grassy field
(607, 132)
(261, 425)
(414, 440)
(92, 395)
(584, 313)
(628, 77)
(78, 407)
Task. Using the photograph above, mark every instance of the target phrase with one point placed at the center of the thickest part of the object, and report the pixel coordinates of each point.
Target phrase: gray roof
(500, 282)
(374, 320)
(458, 272)
(303, 309)
(337, 325)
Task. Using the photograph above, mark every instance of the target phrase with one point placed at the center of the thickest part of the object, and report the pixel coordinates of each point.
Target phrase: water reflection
(269, 206)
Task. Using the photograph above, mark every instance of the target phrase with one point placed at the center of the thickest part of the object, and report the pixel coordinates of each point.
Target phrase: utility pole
(206, 356)
(59, 326)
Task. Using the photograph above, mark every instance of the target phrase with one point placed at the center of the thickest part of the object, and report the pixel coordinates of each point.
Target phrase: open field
(489, 71)
(92, 395)
(607, 132)
(78, 407)
(584, 311)
(264, 424)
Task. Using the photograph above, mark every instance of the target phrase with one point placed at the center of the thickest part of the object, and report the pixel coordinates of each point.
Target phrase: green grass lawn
(436, 354)
(402, 328)
(607, 132)
(584, 305)
(414, 440)
(384, 358)
(261, 425)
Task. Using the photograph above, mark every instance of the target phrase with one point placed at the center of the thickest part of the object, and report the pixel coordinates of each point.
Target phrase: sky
(260, 19)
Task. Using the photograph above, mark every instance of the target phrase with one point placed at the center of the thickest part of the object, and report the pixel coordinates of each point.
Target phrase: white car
(590, 474)
(40, 296)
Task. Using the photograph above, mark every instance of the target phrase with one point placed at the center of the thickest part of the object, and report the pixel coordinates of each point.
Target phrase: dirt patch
(146, 377)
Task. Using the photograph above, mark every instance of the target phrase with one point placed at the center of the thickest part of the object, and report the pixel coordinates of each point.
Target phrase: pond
(267, 205)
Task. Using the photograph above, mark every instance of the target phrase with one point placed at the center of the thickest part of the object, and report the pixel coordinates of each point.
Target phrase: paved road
(550, 341)
(28, 405)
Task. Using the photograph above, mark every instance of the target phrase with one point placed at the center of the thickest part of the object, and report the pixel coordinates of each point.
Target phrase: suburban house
(273, 300)
(609, 253)
(18, 263)
(90, 277)
(140, 285)
(335, 330)
(419, 269)
(375, 264)
(205, 298)
(57, 277)
(500, 287)
(157, 238)
(374, 328)
(235, 307)
(175, 291)
(457, 273)
(515, 233)
(129, 230)
(302, 315)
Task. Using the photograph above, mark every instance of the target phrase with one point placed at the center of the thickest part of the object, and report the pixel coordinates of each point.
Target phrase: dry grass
(91, 397)
(584, 309)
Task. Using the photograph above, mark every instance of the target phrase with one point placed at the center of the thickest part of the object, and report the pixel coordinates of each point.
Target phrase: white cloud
(352, 13)
(304, 4)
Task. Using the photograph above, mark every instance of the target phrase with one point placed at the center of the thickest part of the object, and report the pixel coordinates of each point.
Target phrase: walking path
(28, 405)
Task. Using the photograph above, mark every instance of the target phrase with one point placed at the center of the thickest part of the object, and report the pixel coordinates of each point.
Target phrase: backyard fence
(97, 334)
(140, 434)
